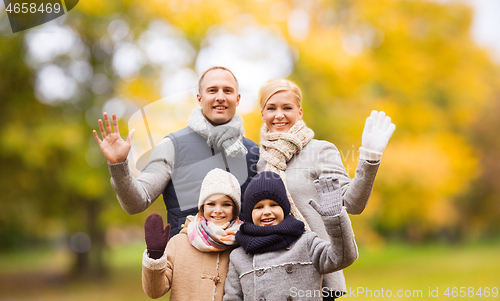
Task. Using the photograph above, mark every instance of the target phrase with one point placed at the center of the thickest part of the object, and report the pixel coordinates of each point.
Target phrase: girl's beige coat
(188, 273)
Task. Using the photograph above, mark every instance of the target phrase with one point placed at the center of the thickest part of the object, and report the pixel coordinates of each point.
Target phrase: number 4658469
(27, 8)
(471, 292)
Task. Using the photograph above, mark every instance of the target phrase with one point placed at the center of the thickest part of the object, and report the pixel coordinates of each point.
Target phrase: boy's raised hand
(330, 199)
(114, 148)
(156, 236)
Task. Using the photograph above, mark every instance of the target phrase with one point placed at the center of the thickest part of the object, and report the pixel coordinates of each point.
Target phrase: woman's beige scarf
(278, 148)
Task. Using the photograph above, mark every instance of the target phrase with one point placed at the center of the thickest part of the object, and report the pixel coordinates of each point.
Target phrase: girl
(288, 148)
(277, 260)
(194, 263)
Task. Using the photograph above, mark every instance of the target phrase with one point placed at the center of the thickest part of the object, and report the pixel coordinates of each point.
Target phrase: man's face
(218, 97)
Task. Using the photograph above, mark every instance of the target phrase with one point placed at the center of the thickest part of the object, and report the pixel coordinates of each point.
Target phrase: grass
(404, 268)
(407, 268)
(42, 275)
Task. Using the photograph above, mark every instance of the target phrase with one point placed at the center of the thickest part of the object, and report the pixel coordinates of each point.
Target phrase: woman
(287, 147)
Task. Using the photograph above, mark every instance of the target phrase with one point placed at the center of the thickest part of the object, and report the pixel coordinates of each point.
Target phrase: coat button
(289, 269)
(262, 299)
(288, 248)
(290, 298)
(260, 273)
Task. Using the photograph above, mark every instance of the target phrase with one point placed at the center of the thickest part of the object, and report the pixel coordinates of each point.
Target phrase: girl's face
(267, 213)
(281, 112)
(218, 208)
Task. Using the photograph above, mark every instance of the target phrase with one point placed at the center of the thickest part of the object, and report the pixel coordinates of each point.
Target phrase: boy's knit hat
(218, 181)
(266, 185)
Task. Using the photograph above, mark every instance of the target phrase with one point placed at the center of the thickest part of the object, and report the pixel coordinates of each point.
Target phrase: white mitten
(378, 130)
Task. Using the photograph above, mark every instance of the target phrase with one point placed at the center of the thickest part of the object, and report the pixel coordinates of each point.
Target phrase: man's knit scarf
(278, 148)
(225, 136)
(208, 237)
(257, 239)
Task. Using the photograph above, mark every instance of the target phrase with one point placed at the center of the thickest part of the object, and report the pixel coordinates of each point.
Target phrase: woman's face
(218, 209)
(281, 112)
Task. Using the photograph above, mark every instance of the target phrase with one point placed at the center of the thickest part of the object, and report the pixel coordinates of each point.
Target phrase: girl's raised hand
(156, 236)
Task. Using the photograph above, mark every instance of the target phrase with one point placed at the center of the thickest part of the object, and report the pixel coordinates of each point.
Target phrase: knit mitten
(330, 199)
(378, 130)
(156, 236)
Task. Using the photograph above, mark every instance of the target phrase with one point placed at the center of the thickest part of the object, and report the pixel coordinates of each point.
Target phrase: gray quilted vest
(193, 160)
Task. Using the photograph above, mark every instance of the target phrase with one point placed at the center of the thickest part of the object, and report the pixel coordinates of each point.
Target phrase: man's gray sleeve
(136, 195)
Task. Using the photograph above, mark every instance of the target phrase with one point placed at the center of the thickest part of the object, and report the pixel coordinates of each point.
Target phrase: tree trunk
(89, 262)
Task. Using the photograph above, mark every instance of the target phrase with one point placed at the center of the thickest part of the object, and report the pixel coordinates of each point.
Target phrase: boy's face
(267, 213)
(218, 208)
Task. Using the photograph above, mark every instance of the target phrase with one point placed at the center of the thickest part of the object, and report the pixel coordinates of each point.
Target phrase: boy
(277, 260)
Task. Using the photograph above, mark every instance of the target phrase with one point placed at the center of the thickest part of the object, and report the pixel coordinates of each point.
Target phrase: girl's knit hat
(218, 181)
(266, 185)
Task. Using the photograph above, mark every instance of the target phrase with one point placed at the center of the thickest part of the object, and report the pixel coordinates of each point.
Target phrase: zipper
(223, 159)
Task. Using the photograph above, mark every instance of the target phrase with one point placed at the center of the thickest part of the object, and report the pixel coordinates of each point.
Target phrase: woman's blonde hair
(277, 86)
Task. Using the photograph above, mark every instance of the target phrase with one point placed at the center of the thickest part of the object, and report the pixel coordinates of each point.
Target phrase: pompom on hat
(218, 181)
(266, 185)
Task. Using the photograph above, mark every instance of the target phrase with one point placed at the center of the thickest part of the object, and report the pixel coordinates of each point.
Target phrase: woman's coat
(321, 158)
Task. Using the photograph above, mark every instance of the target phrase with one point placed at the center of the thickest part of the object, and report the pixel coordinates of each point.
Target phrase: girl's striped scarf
(208, 237)
(278, 148)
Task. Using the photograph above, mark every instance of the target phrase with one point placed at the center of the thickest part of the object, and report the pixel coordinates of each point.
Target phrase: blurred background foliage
(416, 60)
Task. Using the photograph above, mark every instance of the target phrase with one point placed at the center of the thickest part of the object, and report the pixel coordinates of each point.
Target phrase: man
(178, 164)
